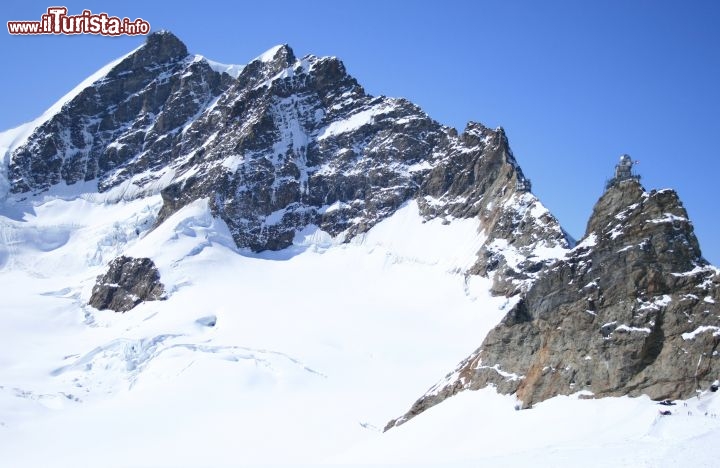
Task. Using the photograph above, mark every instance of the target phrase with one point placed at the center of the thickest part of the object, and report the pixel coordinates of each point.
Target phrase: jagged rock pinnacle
(284, 55)
(160, 47)
(615, 199)
(631, 310)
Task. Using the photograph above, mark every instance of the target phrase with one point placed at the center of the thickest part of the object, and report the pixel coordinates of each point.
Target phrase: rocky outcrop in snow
(128, 282)
(631, 310)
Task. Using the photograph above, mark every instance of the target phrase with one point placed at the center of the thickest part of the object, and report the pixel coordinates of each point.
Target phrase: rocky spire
(632, 309)
(159, 48)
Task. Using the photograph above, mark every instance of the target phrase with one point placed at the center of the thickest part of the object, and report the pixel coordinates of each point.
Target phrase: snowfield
(292, 357)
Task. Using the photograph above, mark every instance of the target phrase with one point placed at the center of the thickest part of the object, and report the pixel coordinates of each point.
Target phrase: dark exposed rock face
(522, 236)
(632, 309)
(124, 125)
(286, 144)
(128, 282)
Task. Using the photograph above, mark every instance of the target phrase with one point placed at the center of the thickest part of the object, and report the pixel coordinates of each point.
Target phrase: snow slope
(291, 357)
(319, 343)
(482, 429)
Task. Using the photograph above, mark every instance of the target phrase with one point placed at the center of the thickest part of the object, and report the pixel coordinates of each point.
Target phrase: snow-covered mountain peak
(275, 145)
(160, 47)
(271, 231)
(281, 52)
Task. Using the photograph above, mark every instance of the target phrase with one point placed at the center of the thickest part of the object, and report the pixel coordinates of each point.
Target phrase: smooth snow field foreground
(292, 357)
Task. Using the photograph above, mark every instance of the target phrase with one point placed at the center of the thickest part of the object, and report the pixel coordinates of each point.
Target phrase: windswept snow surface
(355, 121)
(292, 357)
(232, 70)
(269, 54)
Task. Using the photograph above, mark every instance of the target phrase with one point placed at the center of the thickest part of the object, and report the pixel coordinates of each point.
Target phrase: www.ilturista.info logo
(57, 21)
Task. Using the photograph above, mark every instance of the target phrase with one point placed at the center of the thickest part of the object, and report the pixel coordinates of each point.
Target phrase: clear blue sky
(574, 83)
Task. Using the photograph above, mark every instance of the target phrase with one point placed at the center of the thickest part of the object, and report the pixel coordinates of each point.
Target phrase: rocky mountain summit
(632, 309)
(284, 144)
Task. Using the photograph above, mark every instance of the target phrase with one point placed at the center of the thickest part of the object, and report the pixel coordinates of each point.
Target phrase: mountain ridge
(283, 145)
(279, 145)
